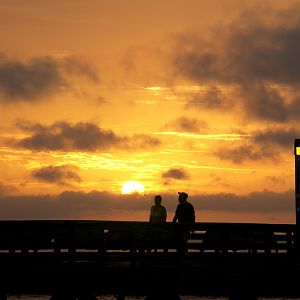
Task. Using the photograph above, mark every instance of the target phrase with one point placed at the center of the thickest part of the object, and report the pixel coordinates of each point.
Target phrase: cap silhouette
(183, 195)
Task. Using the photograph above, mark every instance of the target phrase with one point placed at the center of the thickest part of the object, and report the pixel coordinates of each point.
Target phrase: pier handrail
(123, 235)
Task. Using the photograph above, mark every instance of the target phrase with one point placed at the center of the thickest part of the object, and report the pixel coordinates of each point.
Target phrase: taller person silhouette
(185, 212)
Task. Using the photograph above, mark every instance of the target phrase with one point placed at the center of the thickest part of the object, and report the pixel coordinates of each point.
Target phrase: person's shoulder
(190, 204)
(179, 207)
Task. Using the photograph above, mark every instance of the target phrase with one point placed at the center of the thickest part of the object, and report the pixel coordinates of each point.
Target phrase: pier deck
(139, 258)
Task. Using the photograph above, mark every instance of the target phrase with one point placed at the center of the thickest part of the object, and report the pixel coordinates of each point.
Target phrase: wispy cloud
(266, 144)
(223, 136)
(186, 124)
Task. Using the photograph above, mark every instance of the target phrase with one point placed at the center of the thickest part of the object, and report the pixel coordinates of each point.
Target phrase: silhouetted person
(185, 212)
(158, 213)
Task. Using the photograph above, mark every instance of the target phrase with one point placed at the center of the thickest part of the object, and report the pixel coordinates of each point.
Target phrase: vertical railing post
(297, 188)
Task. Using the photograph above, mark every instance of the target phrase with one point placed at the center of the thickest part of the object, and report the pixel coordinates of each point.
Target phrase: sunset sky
(182, 95)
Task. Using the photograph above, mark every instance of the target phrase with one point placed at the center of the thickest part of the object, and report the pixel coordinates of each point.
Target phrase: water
(47, 297)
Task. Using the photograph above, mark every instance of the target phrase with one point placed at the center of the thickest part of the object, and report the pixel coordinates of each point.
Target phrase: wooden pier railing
(107, 257)
(117, 235)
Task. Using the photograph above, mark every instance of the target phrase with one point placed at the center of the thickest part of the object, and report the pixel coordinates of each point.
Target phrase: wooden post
(297, 188)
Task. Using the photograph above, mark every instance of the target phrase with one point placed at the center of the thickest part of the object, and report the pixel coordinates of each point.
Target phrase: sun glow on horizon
(132, 187)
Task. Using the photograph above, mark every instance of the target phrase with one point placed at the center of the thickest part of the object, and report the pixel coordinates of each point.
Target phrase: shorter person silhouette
(158, 213)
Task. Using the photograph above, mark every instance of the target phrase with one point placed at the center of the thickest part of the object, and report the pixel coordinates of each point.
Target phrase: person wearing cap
(158, 213)
(185, 212)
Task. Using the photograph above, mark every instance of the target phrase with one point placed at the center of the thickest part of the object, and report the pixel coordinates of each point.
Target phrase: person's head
(182, 197)
(157, 199)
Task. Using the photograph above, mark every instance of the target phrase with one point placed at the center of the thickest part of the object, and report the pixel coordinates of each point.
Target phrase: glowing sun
(132, 187)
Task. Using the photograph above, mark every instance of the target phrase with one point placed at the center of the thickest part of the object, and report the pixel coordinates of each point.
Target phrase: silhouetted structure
(297, 186)
(70, 259)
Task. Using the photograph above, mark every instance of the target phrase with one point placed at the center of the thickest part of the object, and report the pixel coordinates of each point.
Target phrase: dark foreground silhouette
(185, 212)
(83, 259)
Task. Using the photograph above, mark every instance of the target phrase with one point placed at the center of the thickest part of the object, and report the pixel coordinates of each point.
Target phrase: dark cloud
(38, 77)
(246, 50)
(240, 154)
(256, 57)
(211, 98)
(263, 102)
(267, 144)
(62, 175)
(64, 136)
(280, 137)
(175, 173)
(74, 205)
(264, 52)
(186, 124)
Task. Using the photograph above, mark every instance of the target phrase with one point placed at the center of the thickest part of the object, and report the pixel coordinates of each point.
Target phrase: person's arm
(193, 216)
(164, 214)
(150, 218)
(176, 215)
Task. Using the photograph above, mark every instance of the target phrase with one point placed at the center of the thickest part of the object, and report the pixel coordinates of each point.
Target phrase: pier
(75, 259)
(81, 259)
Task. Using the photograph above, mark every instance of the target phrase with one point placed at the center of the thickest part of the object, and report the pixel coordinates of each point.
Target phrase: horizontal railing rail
(105, 236)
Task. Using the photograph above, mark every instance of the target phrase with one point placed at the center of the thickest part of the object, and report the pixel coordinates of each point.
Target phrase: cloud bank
(70, 204)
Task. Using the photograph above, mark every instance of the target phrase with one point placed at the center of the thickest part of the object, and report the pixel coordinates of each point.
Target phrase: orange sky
(194, 96)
